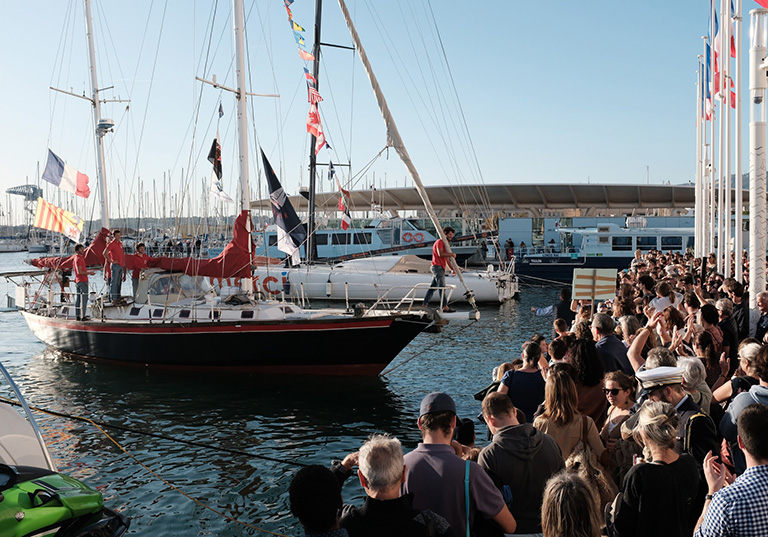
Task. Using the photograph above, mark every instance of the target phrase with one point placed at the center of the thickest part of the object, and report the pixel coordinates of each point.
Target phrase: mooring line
(98, 425)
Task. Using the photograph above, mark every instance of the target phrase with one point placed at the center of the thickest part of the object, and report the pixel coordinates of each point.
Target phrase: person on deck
(81, 282)
(116, 259)
(440, 261)
(139, 263)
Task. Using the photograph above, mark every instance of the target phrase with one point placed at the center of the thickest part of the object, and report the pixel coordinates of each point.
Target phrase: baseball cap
(437, 402)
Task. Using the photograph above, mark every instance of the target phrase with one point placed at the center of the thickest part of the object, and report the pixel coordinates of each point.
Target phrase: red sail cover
(233, 262)
(94, 255)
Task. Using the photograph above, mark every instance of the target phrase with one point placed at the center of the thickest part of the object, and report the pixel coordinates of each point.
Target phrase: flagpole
(757, 158)
(698, 201)
(706, 169)
(713, 107)
(727, 189)
(739, 209)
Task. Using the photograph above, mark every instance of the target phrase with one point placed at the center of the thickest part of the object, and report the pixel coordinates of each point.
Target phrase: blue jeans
(81, 300)
(438, 280)
(117, 282)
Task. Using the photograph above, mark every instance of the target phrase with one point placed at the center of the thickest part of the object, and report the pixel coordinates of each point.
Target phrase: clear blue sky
(559, 91)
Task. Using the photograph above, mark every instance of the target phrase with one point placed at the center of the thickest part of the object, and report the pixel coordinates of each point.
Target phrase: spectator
(658, 495)
(385, 512)
(525, 386)
(520, 460)
(741, 508)
(436, 476)
(612, 351)
(315, 499)
(762, 322)
(589, 380)
(756, 394)
(619, 390)
(746, 375)
(569, 508)
(562, 421)
(561, 310)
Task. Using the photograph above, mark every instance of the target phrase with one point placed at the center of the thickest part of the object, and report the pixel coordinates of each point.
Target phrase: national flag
(290, 231)
(56, 219)
(65, 176)
(306, 56)
(346, 219)
(299, 38)
(214, 157)
(311, 79)
(296, 27)
(331, 171)
(706, 94)
(315, 127)
(314, 96)
(221, 111)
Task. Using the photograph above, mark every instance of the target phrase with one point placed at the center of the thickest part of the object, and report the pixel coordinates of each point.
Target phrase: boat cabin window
(271, 239)
(647, 243)
(385, 236)
(671, 243)
(621, 243)
(246, 314)
(164, 286)
(340, 238)
(321, 239)
(157, 313)
(362, 238)
(184, 314)
(135, 311)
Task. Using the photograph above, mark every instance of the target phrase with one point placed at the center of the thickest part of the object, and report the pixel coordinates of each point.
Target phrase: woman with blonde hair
(658, 496)
(562, 421)
(569, 508)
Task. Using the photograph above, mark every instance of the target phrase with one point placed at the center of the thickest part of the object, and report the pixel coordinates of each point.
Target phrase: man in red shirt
(81, 282)
(116, 259)
(139, 264)
(440, 260)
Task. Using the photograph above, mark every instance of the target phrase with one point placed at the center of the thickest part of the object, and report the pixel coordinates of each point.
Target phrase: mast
(311, 243)
(101, 126)
(394, 140)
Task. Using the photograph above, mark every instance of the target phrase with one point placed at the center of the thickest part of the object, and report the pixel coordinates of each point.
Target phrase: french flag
(65, 176)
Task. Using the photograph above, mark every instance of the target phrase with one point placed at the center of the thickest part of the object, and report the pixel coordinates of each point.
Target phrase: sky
(505, 92)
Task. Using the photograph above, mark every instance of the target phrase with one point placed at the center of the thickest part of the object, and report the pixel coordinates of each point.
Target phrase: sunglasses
(612, 391)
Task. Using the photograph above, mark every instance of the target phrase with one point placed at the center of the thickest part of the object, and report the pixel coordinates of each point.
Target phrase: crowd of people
(645, 414)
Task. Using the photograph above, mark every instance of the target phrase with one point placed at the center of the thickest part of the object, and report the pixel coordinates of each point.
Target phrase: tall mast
(394, 140)
(101, 127)
(242, 118)
(311, 243)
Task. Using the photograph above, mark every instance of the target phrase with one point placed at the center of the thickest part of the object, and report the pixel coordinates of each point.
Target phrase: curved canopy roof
(511, 197)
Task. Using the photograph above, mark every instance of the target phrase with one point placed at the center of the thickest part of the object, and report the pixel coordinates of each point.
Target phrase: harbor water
(166, 486)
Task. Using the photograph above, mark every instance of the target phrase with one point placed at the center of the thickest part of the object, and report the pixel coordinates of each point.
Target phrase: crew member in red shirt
(116, 259)
(440, 260)
(81, 282)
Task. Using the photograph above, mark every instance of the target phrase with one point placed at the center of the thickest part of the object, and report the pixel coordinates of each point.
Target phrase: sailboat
(380, 277)
(176, 320)
(36, 499)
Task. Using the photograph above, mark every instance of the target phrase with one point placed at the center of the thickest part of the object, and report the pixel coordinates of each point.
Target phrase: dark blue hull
(560, 269)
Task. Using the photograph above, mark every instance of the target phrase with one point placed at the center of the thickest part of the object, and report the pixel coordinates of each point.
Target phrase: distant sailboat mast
(394, 140)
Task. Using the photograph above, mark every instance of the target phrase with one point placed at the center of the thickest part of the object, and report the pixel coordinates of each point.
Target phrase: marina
(283, 315)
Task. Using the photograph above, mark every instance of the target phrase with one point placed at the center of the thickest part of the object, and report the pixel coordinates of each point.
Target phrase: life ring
(419, 237)
(407, 236)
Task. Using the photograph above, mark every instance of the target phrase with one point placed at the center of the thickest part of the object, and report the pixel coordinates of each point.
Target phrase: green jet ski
(36, 500)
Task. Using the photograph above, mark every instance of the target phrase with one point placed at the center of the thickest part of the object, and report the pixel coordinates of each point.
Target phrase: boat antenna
(394, 140)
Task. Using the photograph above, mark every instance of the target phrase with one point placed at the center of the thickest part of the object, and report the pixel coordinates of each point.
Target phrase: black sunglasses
(612, 391)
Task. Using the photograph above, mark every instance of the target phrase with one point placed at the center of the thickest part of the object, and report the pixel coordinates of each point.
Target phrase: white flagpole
(713, 107)
(697, 214)
(705, 233)
(757, 158)
(739, 209)
(727, 189)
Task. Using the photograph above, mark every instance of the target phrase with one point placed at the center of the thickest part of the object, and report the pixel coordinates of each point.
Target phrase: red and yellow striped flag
(54, 218)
